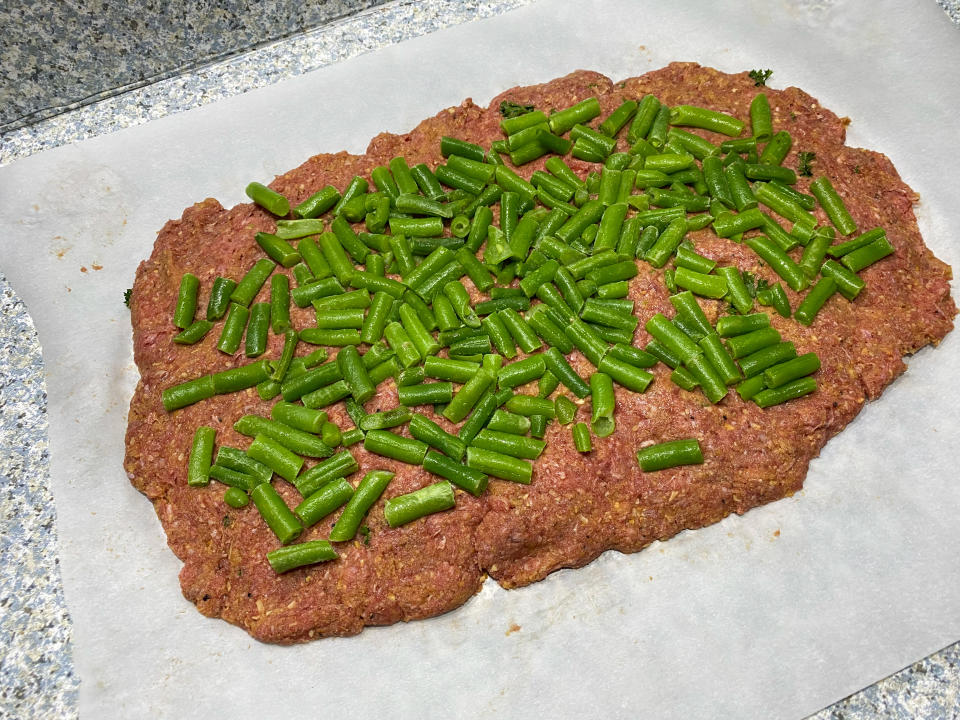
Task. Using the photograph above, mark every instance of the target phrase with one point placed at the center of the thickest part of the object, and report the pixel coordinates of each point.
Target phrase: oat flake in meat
(577, 505)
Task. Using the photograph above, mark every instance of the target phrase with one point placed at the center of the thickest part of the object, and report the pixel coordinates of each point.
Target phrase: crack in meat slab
(578, 506)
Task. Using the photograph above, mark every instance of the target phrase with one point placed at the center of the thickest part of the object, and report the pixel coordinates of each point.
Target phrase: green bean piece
(257, 329)
(521, 372)
(244, 293)
(547, 329)
(314, 258)
(747, 343)
(459, 371)
(324, 501)
(422, 340)
(355, 374)
(352, 437)
(436, 393)
(299, 417)
(730, 224)
(452, 146)
(401, 343)
(194, 333)
(718, 356)
(814, 300)
(865, 256)
(631, 355)
(603, 404)
(521, 332)
(470, 347)
(236, 498)
(684, 379)
(219, 298)
(662, 330)
(693, 116)
(404, 509)
(584, 111)
(776, 296)
(391, 445)
(670, 454)
(581, 438)
(237, 460)
(458, 296)
(279, 303)
(241, 378)
(565, 408)
(268, 199)
(499, 465)
(707, 377)
(426, 181)
(781, 263)
(504, 421)
(511, 444)
(662, 353)
(336, 337)
(499, 336)
(814, 254)
(547, 383)
(777, 149)
(278, 249)
(756, 362)
(318, 203)
(730, 325)
(295, 387)
(188, 393)
(737, 292)
(529, 405)
(606, 312)
(779, 201)
(275, 456)
(856, 243)
(849, 284)
(275, 512)
(357, 187)
(761, 121)
(319, 290)
(473, 481)
(750, 387)
(685, 303)
(367, 493)
(234, 478)
(233, 327)
(468, 396)
(427, 431)
(186, 307)
(740, 191)
(690, 259)
(336, 257)
(831, 202)
(385, 420)
(791, 370)
(323, 473)
(297, 441)
(410, 376)
(789, 391)
(373, 324)
(668, 241)
(285, 559)
(434, 284)
(629, 376)
(201, 456)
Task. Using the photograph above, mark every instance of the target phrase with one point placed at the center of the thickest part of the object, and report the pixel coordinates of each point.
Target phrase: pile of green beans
(388, 267)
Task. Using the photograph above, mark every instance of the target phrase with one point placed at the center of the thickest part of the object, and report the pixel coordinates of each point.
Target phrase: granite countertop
(104, 71)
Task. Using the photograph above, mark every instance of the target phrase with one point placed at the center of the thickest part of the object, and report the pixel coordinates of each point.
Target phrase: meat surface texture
(577, 506)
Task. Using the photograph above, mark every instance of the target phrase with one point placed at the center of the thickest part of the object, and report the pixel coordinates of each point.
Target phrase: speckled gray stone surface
(69, 54)
(36, 673)
(36, 670)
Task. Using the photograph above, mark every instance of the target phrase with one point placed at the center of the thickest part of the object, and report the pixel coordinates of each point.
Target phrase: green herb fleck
(126, 296)
(365, 531)
(511, 109)
(227, 522)
(856, 169)
(760, 77)
(805, 163)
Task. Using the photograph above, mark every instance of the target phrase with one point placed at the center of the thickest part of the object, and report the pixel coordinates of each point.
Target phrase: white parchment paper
(775, 614)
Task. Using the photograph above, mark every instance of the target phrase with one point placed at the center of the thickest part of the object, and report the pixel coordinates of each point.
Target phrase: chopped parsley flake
(760, 77)
(511, 109)
(805, 162)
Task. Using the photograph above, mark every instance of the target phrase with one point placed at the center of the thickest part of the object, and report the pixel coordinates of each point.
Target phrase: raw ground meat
(577, 506)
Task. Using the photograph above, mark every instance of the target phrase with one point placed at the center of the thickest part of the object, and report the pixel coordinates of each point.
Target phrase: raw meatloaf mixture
(578, 505)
